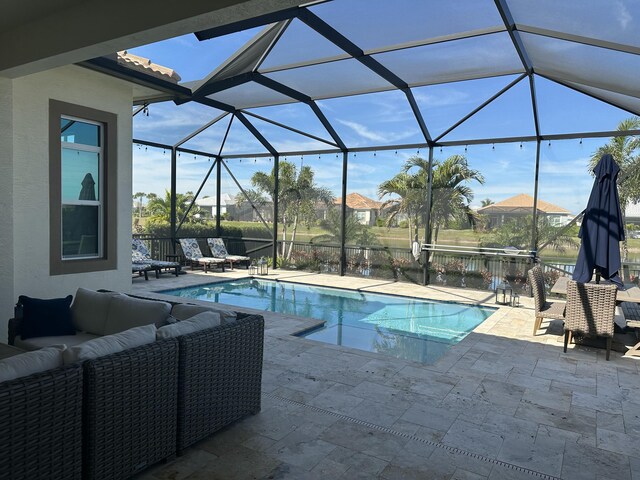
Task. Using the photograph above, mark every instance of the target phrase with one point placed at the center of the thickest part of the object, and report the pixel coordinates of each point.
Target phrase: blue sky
(379, 119)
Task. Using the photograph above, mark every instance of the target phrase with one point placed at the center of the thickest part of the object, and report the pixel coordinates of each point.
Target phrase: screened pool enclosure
(345, 130)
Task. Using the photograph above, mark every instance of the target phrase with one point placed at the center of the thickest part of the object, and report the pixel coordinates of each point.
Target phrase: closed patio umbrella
(602, 227)
(88, 191)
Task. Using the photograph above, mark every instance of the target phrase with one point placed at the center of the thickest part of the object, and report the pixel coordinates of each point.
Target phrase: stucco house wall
(24, 182)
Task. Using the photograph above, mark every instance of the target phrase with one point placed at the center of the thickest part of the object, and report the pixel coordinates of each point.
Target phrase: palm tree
(160, 208)
(139, 196)
(626, 152)
(450, 194)
(486, 202)
(297, 197)
(355, 232)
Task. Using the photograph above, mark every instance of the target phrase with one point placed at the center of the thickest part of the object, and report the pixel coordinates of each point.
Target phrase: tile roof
(145, 65)
(522, 201)
(356, 201)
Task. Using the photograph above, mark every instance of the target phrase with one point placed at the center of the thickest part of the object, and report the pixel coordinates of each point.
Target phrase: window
(82, 189)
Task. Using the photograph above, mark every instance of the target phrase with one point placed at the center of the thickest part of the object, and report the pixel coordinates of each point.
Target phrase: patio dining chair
(140, 255)
(218, 249)
(193, 254)
(591, 310)
(544, 309)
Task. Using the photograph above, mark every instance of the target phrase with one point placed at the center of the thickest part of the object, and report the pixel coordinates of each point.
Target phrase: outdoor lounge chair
(193, 254)
(139, 269)
(591, 311)
(544, 309)
(218, 249)
(140, 256)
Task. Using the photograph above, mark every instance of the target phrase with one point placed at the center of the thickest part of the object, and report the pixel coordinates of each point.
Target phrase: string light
(580, 141)
(465, 148)
(520, 144)
(493, 146)
(549, 143)
(374, 153)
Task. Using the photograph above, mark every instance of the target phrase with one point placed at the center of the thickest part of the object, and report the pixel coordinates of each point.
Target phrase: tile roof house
(522, 205)
(365, 209)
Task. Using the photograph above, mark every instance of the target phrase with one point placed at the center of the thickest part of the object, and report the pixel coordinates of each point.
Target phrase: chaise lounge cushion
(41, 342)
(109, 344)
(90, 310)
(46, 318)
(28, 363)
(198, 322)
(183, 311)
(126, 312)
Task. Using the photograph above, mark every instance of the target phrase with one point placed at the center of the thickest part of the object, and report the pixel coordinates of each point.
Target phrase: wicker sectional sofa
(140, 405)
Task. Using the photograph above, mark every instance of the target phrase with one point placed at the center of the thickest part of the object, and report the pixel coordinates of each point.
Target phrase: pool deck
(501, 404)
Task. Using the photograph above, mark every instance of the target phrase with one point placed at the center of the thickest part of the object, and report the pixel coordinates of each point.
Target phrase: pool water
(402, 327)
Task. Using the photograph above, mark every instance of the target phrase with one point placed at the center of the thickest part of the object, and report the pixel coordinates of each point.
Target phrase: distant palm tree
(160, 208)
(355, 232)
(139, 196)
(297, 197)
(626, 152)
(451, 196)
(486, 202)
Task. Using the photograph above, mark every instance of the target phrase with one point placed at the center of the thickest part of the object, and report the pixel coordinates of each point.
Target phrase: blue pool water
(401, 327)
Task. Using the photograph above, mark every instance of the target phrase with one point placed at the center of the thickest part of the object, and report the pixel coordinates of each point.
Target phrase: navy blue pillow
(46, 318)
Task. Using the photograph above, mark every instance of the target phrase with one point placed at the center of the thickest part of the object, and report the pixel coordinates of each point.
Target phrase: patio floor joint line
(448, 448)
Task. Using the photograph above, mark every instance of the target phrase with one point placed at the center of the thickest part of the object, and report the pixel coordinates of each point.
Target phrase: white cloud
(622, 15)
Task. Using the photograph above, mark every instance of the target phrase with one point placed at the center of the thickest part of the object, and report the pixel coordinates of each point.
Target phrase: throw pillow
(198, 322)
(109, 344)
(183, 311)
(28, 363)
(46, 318)
(89, 310)
(126, 312)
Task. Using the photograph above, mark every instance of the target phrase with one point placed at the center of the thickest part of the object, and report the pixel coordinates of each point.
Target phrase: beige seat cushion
(109, 344)
(90, 309)
(183, 311)
(28, 363)
(198, 322)
(41, 342)
(126, 312)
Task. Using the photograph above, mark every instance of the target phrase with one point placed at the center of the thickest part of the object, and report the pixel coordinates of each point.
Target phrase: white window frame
(100, 202)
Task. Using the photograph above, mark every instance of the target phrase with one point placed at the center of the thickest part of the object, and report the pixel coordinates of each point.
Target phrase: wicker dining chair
(590, 311)
(544, 309)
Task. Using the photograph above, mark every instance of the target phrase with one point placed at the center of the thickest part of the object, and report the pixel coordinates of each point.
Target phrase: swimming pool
(402, 327)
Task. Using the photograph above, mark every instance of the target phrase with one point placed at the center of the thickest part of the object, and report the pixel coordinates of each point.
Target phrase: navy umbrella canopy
(88, 191)
(602, 227)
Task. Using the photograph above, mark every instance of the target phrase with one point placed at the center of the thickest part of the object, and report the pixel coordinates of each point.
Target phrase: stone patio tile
(383, 414)
(436, 418)
(382, 394)
(562, 364)
(555, 399)
(301, 448)
(618, 442)
(565, 377)
(541, 454)
(238, 463)
(369, 441)
(556, 418)
(182, 467)
(474, 408)
(500, 472)
(610, 421)
(558, 386)
(504, 395)
(582, 461)
(566, 435)
(337, 399)
(382, 369)
(528, 381)
(634, 462)
(443, 459)
(461, 474)
(258, 443)
(631, 417)
(506, 425)
(597, 402)
(467, 436)
(357, 462)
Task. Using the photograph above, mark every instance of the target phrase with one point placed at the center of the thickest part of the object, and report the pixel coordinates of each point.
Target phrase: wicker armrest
(41, 418)
(130, 407)
(220, 377)
(14, 329)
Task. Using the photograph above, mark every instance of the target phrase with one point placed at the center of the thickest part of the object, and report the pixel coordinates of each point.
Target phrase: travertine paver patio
(502, 404)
